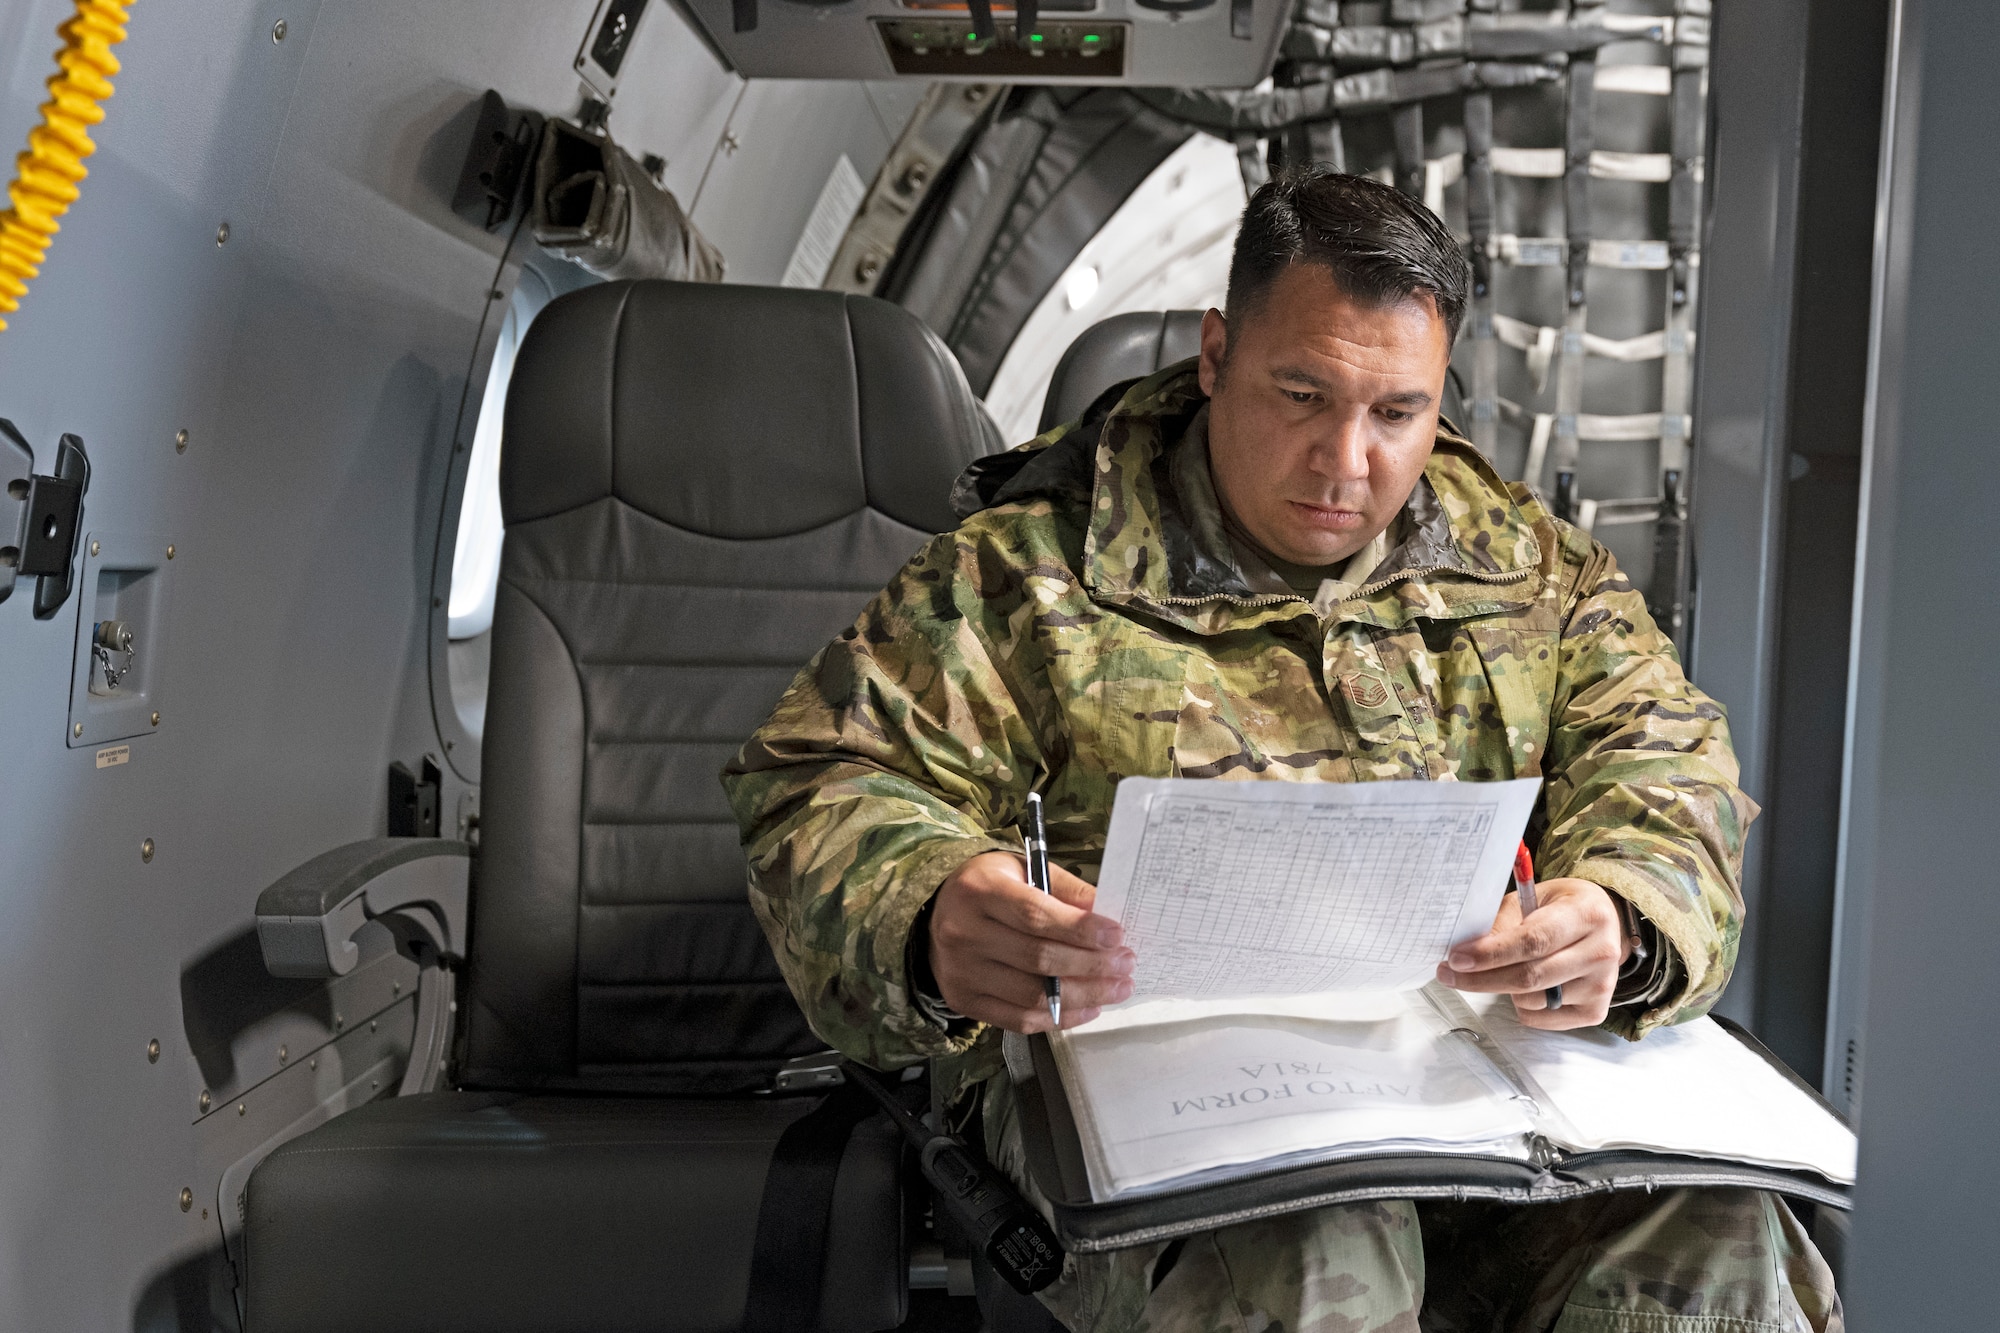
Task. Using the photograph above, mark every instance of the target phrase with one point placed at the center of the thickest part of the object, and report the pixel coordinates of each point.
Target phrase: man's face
(1325, 416)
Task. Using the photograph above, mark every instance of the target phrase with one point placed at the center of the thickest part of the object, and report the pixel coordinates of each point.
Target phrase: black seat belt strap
(788, 1258)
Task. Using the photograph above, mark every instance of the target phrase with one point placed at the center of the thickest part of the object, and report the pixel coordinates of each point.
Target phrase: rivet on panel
(187, 1198)
(76, 730)
(283, 1055)
(146, 850)
(153, 1051)
(373, 1025)
(240, 1109)
(95, 548)
(170, 550)
(278, 31)
(338, 1022)
(395, 988)
(205, 1099)
(180, 441)
(222, 234)
(313, 1063)
(156, 719)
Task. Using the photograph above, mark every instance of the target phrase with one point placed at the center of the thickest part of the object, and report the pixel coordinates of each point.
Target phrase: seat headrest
(1122, 347)
(738, 412)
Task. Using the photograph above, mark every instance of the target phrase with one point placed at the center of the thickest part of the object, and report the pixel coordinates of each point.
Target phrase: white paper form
(1230, 889)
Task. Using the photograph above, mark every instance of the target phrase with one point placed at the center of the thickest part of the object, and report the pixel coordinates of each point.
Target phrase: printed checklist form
(1233, 889)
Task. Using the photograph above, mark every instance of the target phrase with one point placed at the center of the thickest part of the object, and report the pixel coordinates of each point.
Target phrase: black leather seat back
(702, 486)
(1122, 347)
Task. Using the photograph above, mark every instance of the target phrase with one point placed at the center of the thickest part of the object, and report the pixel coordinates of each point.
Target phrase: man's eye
(1394, 417)
(1300, 396)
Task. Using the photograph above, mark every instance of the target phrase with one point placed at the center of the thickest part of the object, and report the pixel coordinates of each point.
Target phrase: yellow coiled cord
(46, 176)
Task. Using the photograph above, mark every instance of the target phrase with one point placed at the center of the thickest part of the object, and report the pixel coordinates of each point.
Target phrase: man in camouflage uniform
(1275, 564)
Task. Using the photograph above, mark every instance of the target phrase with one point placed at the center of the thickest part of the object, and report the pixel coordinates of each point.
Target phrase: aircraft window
(475, 559)
(1166, 248)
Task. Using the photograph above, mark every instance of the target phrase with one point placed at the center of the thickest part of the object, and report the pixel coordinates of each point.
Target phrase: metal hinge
(40, 516)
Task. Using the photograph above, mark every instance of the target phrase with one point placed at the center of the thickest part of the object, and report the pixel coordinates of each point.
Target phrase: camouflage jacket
(1073, 632)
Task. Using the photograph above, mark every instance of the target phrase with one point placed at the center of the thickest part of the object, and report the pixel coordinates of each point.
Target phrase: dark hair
(1381, 245)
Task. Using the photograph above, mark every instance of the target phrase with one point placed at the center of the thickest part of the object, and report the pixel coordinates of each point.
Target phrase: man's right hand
(994, 937)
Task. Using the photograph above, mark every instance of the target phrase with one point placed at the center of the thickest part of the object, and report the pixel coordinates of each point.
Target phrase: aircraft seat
(1120, 348)
(702, 485)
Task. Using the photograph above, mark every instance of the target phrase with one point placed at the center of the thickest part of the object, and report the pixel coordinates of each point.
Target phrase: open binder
(1091, 1213)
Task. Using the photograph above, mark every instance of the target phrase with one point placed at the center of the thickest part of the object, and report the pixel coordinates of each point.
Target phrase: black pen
(1036, 837)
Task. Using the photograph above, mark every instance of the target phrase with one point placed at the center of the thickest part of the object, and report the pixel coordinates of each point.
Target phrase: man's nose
(1341, 454)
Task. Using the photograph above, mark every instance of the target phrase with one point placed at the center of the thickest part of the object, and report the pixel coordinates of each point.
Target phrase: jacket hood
(1470, 546)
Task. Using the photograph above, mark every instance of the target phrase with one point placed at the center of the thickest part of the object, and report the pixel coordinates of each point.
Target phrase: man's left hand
(1572, 939)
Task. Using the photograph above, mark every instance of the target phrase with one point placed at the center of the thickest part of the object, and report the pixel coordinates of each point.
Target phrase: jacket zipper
(1365, 590)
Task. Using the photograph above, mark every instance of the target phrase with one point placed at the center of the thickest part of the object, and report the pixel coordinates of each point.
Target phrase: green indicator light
(1035, 37)
(972, 37)
(1091, 37)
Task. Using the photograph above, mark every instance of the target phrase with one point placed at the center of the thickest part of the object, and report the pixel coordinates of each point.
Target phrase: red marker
(1524, 885)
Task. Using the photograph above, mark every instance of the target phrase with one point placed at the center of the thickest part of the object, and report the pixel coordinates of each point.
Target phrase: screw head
(241, 1109)
(313, 1063)
(187, 1198)
(283, 1055)
(373, 1025)
(222, 234)
(153, 1051)
(339, 1022)
(156, 719)
(180, 441)
(868, 268)
(95, 548)
(205, 1099)
(170, 550)
(76, 730)
(278, 31)
(146, 850)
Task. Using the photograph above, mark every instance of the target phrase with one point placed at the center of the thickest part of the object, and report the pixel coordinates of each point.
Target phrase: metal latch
(810, 1073)
(40, 516)
(413, 799)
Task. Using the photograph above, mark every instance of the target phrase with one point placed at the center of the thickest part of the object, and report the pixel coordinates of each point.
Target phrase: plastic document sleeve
(1055, 1161)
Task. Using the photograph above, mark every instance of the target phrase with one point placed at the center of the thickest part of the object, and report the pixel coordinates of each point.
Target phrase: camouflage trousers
(1678, 1261)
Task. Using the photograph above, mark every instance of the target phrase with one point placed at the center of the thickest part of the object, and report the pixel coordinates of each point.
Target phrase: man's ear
(1214, 349)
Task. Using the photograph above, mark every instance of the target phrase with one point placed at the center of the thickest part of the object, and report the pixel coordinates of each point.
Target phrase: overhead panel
(1176, 43)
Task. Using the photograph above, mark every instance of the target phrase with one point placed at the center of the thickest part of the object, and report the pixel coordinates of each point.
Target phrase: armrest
(306, 921)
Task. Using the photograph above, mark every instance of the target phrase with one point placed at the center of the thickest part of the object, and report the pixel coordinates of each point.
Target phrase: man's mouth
(1330, 518)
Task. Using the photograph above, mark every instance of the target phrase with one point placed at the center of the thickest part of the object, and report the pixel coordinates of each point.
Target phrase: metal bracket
(40, 517)
(413, 799)
(503, 146)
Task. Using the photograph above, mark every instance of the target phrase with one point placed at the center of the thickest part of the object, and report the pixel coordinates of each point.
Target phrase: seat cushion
(490, 1212)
